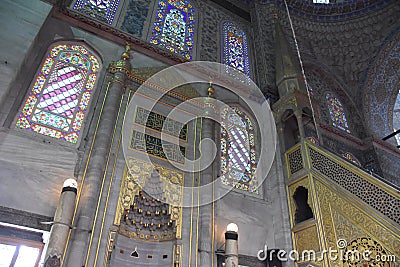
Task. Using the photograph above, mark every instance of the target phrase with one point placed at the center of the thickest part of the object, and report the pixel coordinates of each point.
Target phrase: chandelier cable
(302, 71)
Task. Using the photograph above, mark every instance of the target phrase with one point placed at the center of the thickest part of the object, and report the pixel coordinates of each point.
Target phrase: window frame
(260, 194)
(18, 243)
(347, 129)
(88, 111)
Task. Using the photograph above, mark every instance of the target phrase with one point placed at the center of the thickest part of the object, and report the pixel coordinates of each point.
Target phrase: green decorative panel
(154, 146)
(157, 121)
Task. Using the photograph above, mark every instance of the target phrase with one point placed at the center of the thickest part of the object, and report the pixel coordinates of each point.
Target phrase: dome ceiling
(336, 9)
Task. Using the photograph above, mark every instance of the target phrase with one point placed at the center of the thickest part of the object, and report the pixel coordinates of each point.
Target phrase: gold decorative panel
(304, 182)
(136, 175)
(342, 218)
(307, 239)
(378, 197)
(294, 160)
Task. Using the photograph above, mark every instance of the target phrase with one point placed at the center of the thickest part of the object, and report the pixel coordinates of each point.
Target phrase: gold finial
(125, 55)
(275, 14)
(210, 90)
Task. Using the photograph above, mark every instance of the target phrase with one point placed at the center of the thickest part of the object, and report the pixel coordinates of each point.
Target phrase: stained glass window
(337, 114)
(103, 10)
(235, 48)
(174, 27)
(350, 157)
(238, 156)
(59, 97)
(313, 140)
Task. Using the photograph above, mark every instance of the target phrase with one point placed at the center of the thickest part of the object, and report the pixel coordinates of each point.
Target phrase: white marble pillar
(206, 194)
(231, 246)
(61, 224)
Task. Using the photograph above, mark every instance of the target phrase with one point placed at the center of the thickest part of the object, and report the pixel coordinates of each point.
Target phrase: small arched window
(350, 157)
(337, 113)
(238, 156)
(174, 27)
(102, 10)
(235, 52)
(59, 97)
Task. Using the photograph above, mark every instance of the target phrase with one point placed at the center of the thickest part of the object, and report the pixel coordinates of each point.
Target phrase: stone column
(231, 246)
(78, 246)
(299, 117)
(206, 195)
(61, 225)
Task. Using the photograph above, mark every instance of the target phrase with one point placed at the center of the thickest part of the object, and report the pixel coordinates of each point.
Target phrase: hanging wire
(302, 70)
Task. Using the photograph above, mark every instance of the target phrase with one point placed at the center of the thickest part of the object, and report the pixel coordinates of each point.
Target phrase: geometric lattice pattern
(102, 10)
(160, 123)
(159, 148)
(235, 48)
(371, 194)
(174, 27)
(59, 97)
(295, 160)
(337, 113)
(238, 158)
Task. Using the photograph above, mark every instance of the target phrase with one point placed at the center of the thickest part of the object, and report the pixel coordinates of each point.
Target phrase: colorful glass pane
(235, 48)
(313, 140)
(103, 10)
(238, 156)
(350, 157)
(174, 27)
(337, 114)
(59, 97)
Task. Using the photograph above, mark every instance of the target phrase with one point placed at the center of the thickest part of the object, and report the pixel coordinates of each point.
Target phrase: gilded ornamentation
(295, 161)
(375, 196)
(307, 239)
(330, 201)
(366, 244)
(135, 178)
(305, 182)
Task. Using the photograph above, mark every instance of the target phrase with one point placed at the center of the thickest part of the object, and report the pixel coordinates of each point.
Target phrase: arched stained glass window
(336, 112)
(103, 10)
(59, 97)
(313, 140)
(238, 157)
(235, 52)
(174, 27)
(350, 157)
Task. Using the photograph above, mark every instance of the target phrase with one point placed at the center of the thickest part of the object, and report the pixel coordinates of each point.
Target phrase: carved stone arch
(291, 133)
(381, 87)
(324, 81)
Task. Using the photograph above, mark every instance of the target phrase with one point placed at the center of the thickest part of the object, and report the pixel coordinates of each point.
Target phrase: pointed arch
(235, 48)
(174, 26)
(61, 90)
(238, 156)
